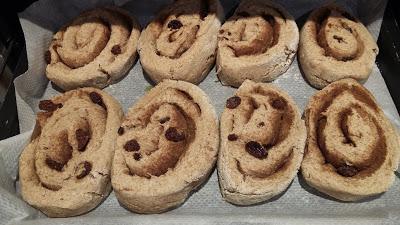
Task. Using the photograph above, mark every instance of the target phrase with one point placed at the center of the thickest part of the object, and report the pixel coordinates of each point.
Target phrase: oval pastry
(167, 146)
(96, 49)
(258, 43)
(263, 138)
(352, 148)
(180, 43)
(65, 169)
(335, 45)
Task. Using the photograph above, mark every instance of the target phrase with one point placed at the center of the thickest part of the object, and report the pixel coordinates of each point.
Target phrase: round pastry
(334, 45)
(65, 169)
(352, 148)
(180, 43)
(262, 144)
(258, 42)
(167, 146)
(96, 49)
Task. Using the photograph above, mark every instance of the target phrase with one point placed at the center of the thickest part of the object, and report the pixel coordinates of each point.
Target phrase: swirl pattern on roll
(96, 49)
(353, 150)
(167, 145)
(65, 169)
(262, 146)
(335, 45)
(180, 43)
(258, 42)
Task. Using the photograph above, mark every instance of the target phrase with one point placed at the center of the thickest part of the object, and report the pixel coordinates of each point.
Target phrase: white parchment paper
(300, 204)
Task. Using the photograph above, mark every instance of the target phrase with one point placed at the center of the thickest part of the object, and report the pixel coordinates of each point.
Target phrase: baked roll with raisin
(65, 169)
(180, 43)
(258, 42)
(334, 45)
(96, 49)
(167, 146)
(262, 144)
(352, 148)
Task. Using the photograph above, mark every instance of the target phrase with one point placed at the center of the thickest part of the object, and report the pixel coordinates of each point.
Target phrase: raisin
(243, 14)
(132, 146)
(172, 134)
(137, 156)
(233, 102)
(97, 99)
(83, 137)
(47, 57)
(175, 24)
(49, 106)
(232, 137)
(256, 149)
(347, 171)
(54, 164)
(116, 50)
(164, 120)
(261, 124)
(85, 168)
(121, 131)
(278, 104)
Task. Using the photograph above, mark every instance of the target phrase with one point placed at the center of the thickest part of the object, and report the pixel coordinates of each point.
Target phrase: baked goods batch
(258, 42)
(168, 142)
(96, 49)
(335, 45)
(180, 43)
(65, 169)
(262, 143)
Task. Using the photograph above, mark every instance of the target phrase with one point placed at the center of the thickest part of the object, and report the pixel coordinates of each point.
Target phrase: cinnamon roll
(96, 49)
(352, 148)
(180, 43)
(335, 45)
(258, 43)
(167, 146)
(262, 144)
(65, 169)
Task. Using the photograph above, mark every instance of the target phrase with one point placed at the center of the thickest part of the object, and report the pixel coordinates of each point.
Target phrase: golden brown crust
(96, 49)
(180, 43)
(334, 45)
(168, 147)
(262, 144)
(352, 149)
(258, 43)
(65, 169)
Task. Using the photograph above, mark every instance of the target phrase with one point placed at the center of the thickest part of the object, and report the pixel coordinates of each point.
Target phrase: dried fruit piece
(47, 57)
(278, 104)
(347, 171)
(233, 102)
(132, 146)
(256, 149)
(116, 50)
(54, 164)
(83, 137)
(164, 120)
(172, 134)
(175, 24)
(121, 131)
(232, 137)
(97, 99)
(49, 106)
(137, 156)
(84, 168)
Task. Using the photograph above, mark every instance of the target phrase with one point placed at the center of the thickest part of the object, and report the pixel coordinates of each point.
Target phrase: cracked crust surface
(258, 42)
(65, 169)
(96, 49)
(262, 144)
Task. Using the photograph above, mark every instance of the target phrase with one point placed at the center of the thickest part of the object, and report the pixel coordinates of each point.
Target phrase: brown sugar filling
(378, 148)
